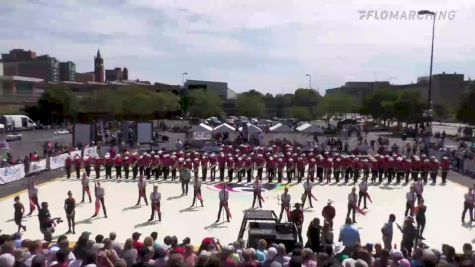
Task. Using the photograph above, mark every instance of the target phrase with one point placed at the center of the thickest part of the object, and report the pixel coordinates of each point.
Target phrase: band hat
(329, 201)
(338, 248)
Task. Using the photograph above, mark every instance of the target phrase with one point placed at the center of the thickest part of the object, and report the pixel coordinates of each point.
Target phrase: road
(34, 140)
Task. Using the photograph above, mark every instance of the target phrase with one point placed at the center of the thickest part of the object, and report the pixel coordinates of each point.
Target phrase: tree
(337, 104)
(301, 113)
(250, 105)
(380, 104)
(408, 107)
(441, 112)
(204, 104)
(466, 111)
(56, 104)
(306, 97)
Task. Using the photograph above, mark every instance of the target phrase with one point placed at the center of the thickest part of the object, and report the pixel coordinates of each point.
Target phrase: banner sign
(57, 161)
(202, 135)
(12, 173)
(37, 166)
(91, 151)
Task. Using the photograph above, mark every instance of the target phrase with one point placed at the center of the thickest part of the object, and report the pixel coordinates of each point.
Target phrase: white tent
(201, 132)
(224, 128)
(253, 129)
(280, 128)
(309, 128)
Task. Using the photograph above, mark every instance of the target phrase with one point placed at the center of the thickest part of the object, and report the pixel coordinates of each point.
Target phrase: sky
(267, 45)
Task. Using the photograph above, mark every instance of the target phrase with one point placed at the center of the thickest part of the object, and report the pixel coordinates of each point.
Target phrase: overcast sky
(268, 45)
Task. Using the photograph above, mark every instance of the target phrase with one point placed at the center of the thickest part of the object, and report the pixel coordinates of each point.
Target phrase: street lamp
(429, 99)
(183, 78)
(309, 80)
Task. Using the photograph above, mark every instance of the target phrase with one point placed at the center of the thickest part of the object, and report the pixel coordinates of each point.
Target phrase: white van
(17, 122)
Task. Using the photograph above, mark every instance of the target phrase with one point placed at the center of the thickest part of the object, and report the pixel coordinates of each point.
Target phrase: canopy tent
(201, 128)
(201, 132)
(309, 128)
(280, 128)
(251, 128)
(223, 128)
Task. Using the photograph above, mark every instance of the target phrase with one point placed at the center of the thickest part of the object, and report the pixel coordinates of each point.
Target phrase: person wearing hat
(77, 166)
(280, 169)
(109, 162)
(70, 209)
(223, 202)
(204, 166)
(197, 191)
(260, 162)
(434, 169)
(97, 161)
(126, 166)
(155, 198)
(301, 163)
(290, 169)
(68, 162)
(118, 162)
(285, 204)
(296, 216)
(399, 167)
(85, 187)
(213, 161)
(133, 163)
(328, 213)
(356, 169)
(445, 166)
(257, 192)
(409, 234)
(87, 165)
(312, 163)
(425, 169)
(230, 164)
(142, 187)
(328, 169)
(320, 167)
(99, 193)
(19, 211)
(390, 169)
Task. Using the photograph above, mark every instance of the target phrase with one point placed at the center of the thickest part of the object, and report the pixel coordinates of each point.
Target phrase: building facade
(19, 62)
(115, 74)
(99, 68)
(84, 77)
(67, 71)
(219, 88)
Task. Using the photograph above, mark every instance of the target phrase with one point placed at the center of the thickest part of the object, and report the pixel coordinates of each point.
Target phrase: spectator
(114, 244)
(190, 257)
(137, 244)
(409, 234)
(129, 253)
(34, 248)
(327, 235)
(313, 235)
(7, 260)
(387, 232)
(40, 261)
(156, 243)
(307, 258)
(99, 245)
(271, 256)
(250, 258)
(349, 235)
(261, 252)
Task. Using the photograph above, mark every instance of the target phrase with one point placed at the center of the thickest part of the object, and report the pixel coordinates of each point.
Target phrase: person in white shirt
(257, 191)
(307, 192)
(469, 200)
(284, 203)
(85, 187)
(363, 192)
(142, 186)
(155, 198)
(352, 204)
(99, 193)
(223, 203)
(197, 192)
(410, 201)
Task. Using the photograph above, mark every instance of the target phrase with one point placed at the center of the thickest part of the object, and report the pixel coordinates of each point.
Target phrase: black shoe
(228, 220)
(74, 232)
(24, 228)
(82, 201)
(217, 221)
(93, 216)
(105, 216)
(149, 220)
(68, 232)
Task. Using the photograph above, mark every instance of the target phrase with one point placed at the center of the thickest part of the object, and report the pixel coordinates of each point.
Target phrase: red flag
(199, 197)
(313, 196)
(98, 206)
(360, 211)
(32, 204)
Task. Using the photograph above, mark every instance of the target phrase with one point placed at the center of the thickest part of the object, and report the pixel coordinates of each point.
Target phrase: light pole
(309, 80)
(183, 78)
(429, 99)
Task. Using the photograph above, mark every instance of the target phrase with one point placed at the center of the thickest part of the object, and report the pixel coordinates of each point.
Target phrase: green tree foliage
(466, 111)
(56, 104)
(380, 104)
(408, 107)
(301, 113)
(250, 105)
(204, 104)
(337, 103)
(441, 112)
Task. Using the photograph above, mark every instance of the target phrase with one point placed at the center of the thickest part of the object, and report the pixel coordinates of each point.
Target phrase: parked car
(13, 137)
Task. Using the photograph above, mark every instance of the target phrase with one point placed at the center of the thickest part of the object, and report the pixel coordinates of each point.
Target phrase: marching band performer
(155, 198)
(248, 165)
(445, 166)
(307, 188)
(285, 204)
(87, 165)
(328, 170)
(85, 187)
(33, 195)
(204, 166)
(280, 169)
(212, 166)
(135, 165)
(419, 186)
(311, 168)
(97, 166)
(337, 169)
(434, 169)
(196, 166)
(257, 192)
(290, 169)
(118, 166)
(68, 162)
(19, 211)
(109, 162)
(221, 165)
(223, 203)
(197, 192)
(301, 163)
(142, 186)
(126, 166)
(99, 192)
(77, 166)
